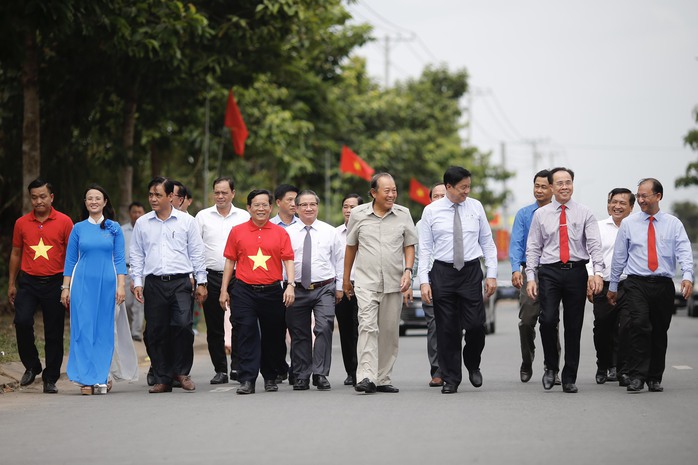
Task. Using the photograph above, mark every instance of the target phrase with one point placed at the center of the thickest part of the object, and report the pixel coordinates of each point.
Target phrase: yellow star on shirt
(41, 250)
(259, 260)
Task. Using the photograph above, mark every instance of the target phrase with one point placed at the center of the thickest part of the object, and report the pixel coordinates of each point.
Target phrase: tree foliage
(690, 139)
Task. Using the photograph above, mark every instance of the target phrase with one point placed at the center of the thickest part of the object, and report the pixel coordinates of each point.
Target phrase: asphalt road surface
(505, 421)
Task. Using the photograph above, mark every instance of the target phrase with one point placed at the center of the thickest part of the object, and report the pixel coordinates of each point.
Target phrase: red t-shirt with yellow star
(43, 244)
(259, 252)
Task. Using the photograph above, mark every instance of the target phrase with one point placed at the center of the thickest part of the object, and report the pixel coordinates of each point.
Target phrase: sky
(606, 88)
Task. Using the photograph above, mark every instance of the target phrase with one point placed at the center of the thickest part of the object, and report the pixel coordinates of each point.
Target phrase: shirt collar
(51, 216)
(254, 227)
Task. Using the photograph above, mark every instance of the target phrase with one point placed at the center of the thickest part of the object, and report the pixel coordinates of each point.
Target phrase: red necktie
(652, 261)
(564, 240)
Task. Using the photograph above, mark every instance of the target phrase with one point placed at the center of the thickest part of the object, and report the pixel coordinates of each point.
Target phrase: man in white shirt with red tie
(564, 235)
(317, 250)
(648, 245)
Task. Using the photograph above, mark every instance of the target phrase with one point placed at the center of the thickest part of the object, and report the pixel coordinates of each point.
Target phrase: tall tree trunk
(126, 175)
(31, 125)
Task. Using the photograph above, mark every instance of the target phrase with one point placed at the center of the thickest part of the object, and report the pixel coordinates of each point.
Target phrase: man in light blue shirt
(166, 248)
(648, 245)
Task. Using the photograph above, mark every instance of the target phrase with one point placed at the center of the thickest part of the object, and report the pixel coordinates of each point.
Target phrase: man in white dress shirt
(166, 248)
(455, 231)
(134, 309)
(607, 339)
(316, 251)
(215, 224)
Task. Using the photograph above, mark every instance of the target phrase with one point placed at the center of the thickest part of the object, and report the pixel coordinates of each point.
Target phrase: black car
(412, 315)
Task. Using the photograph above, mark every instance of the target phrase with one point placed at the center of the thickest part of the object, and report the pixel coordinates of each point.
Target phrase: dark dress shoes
(623, 380)
(365, 385)
(635, 385)
(270, 385)
(280, 378)
(654, 386)
(349, 381)
(291, 379)
(301, 385)
(220, 378)
(388, 388)
(475, 378)
(601, 376)
(160, 388)
(436, 382)
(150, 377)
(29, 376)
(548, 379)
(449, 389)
(246, 387)
(612, 374)
(570, 388)
(50, 388)
(526, 373)
(321, 382)
(233, 375)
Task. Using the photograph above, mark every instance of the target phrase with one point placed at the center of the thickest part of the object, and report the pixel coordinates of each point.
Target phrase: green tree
(690, 139)
(687, 212)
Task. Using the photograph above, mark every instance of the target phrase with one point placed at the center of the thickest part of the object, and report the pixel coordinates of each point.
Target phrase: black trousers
(606, 330)
(43, 292)
(569, 286)
(650, 303)
(214, 316)
(458, 306)
(258, 315)
(169, 329)
(347, 311)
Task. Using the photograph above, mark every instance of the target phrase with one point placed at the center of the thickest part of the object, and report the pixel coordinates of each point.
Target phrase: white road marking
(682, 367)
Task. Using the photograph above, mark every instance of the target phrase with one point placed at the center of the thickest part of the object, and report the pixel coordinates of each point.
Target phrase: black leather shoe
(28, 377)
(548, 379)
(150, 377)
(570, 387)
(246, 387)
(349, 381)
(387, 388)
(526, 373)
(50, 388)
(635, 385)
(220, 378)
(321, 382)
(270, 385)
(301, 385)
(291, 379)
(449, 389)
(234, 375)
(623, 380)
(601, 376)
(654, 386)
(612, 374)
(475, 378)
(365, 386)
(280, 378)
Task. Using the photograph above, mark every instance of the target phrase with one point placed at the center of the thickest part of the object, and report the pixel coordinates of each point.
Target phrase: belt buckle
(311, 287)
(166, 277)
(566, 266)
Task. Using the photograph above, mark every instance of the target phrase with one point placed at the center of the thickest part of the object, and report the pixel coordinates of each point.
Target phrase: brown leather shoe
(159, 388)
(186, 382)
(436, 382)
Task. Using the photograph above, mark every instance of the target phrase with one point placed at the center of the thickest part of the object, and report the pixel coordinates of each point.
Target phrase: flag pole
(328, 189)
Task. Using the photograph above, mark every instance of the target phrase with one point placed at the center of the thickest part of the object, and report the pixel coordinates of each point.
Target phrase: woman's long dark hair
(108, 211)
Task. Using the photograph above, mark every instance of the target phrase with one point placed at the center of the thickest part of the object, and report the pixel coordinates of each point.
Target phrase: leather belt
(315, 285)
(44, 279)
(474, 261)
(169, 277)
(260, 287)
(650, 279)
(565, 266)
(210, 271)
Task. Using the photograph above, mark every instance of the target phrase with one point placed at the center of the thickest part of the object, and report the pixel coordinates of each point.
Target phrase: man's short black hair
(38, 182)
(283, 189)
(622, 190)
(558, 169)
(455, 174)
(657, 187)
(541, 174)
(257, 192)
(167, 184)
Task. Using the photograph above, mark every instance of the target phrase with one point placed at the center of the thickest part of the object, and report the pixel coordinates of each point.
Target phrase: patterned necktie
(564, 239)
(652, 261)
(307, 258)
(458, 256)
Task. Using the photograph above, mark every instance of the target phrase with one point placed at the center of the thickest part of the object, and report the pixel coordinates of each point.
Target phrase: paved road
(505, 421)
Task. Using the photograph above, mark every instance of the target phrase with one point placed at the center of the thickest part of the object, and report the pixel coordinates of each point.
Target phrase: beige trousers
(379, 334)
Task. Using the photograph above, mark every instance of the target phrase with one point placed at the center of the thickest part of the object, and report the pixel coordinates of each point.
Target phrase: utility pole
(473, 92)
(505, 205)
(386, 57)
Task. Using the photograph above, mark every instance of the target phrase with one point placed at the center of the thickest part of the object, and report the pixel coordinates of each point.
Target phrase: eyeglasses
(644, 196)
(563, 183)
(308, 205)
(260, 205)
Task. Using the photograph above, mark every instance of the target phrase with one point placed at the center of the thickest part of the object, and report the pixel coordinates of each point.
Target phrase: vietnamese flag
(234, 121)
(351, 163)
(419, 192)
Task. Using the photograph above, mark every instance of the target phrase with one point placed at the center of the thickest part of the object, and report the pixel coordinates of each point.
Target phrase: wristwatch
(202, 284)
(408, 269)
(65, 288)
(292, 283)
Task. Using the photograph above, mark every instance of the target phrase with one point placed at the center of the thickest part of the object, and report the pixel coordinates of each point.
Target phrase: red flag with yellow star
(419, 192)
(351, 163)
(234, 121)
